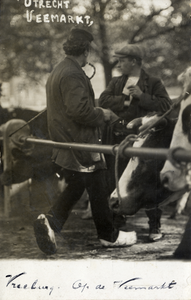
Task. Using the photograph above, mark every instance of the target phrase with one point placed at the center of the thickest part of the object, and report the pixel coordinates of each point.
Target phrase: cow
(139, 185)
(176, 176)
(27, 163)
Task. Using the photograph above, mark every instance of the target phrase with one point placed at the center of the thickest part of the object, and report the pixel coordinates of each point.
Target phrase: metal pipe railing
(160, 153)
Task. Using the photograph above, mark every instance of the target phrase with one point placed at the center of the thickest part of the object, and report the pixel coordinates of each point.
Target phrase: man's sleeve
(77, 104)
(108, 99)
(158, 101)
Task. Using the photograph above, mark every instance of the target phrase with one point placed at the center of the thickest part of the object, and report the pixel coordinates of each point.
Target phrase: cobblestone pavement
(78, 238)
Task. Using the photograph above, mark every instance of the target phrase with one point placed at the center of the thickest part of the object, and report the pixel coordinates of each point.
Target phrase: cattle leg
(154, 216)
(88, 213)
(184, 249)
(180, 207)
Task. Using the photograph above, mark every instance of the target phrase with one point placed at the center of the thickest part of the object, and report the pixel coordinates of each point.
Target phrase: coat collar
(74, 61)
(82, 71)
(143, 81)
(76, 64)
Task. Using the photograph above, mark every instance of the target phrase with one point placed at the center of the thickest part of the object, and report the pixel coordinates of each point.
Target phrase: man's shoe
(155, 235)
(124, 239)
(44, 235)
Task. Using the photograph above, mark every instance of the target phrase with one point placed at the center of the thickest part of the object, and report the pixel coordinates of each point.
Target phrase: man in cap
(135, 93)
(132, 95)
(73, 117)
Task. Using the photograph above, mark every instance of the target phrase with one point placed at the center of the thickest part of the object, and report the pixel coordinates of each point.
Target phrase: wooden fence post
(6, 165)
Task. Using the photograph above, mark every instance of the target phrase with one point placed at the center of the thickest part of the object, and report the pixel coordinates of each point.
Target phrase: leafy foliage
(161, 27)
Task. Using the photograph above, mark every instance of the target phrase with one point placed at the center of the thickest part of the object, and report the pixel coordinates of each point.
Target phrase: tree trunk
(104, 48)
(107, 71)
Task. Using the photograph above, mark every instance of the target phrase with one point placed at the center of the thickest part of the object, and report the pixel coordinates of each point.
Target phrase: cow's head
(186, 122)
(177, 176)
(185, 80)
(122, 201)
(139, 185)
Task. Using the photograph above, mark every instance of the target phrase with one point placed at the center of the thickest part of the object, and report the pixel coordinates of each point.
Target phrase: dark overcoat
(72, 115)
(153, 99)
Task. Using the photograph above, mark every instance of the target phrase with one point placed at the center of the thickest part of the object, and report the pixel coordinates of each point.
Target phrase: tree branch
(147, 19)
(162, 32)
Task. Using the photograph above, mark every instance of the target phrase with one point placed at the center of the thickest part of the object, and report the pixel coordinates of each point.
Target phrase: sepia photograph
(95, 150)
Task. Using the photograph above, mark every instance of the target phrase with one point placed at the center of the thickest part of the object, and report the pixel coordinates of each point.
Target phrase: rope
(127, 142)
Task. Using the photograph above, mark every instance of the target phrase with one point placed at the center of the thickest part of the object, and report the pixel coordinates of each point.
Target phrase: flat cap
(129, 50)
(80, 34)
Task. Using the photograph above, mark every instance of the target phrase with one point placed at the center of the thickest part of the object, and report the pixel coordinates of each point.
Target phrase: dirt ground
(78, 238)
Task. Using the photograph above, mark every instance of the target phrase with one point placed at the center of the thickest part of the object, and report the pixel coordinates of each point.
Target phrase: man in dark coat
(132, 95)
(135, 93)
(73, 117)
